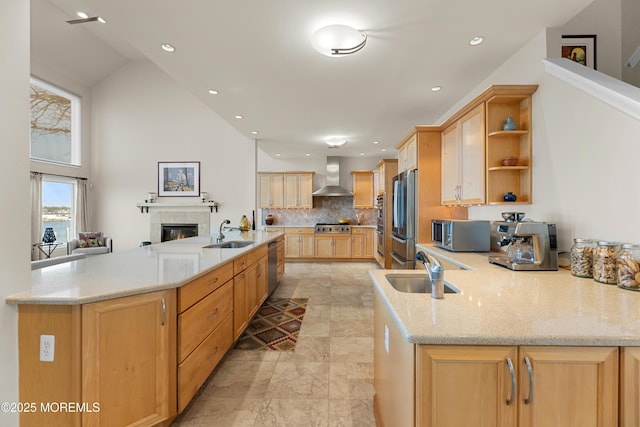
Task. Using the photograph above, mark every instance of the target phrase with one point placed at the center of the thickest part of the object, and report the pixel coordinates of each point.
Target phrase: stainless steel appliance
(403, 244)
(380, 229)
(324, 227)
(272, 267)
(458, 235)
(526, 245)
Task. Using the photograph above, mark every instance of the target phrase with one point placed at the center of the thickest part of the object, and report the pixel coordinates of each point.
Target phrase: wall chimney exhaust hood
(332, 186)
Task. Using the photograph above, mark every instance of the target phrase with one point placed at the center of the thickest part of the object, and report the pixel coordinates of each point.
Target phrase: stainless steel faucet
(220, 237)
(436, 274)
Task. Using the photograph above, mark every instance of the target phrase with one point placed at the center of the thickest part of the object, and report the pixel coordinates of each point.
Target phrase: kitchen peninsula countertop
(497, 306)
(135, 271)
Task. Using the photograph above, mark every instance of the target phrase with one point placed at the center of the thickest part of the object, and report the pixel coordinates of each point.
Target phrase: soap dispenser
(245, 225)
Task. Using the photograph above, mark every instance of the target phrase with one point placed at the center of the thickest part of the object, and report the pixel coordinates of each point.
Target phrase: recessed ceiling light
(82, 15)
(362, 154)
(436, 88)
(213, 92)
(376, 142)
(254, 132)
(308, 155)
(238, 116)
(384, 149)
(476, 40)
(168, 47)
(278, 155)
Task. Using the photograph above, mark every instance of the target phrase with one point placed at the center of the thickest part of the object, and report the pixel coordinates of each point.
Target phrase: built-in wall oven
(403, 243)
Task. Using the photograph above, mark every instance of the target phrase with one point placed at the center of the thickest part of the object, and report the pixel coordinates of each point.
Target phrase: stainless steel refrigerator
(403, 237)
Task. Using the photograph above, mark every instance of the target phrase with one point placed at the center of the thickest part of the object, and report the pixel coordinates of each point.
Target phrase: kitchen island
(130, 337)
(511, 348)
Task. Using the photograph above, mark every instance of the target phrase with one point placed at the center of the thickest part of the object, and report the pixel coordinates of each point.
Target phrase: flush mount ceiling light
(168, 47)
(336, 141)
(338, 40)
(476, 40)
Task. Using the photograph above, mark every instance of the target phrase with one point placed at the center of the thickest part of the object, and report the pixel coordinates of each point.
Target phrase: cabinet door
(393, 369)
(472, 140)
(271, 191)
(252, 290)
(572, 386)
(630, 387)
(357, 245)
(465, 386)
(363, 189)
(297, 190)
(129, 359)
(450, 171)
(262, 281)
(342, 246)
(369, 244)
(305, 184)
(292, 245)
(324, 247)
(307, 245)
(412, 153)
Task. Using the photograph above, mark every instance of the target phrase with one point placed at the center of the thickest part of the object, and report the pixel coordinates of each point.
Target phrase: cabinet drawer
(198, 322)
(256, 254)
(239, 264)
(194, 371)
(199, 288)
(303, 230)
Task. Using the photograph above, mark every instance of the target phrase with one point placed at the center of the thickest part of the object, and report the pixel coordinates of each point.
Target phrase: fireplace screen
(178, 231)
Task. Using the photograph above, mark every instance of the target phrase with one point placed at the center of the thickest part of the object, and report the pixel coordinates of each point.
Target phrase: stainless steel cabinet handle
(530, 371)
(513, 381)
(163, 316)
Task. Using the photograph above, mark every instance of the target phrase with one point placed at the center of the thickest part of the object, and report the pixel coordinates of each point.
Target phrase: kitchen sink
(233, 244)
(416, 284)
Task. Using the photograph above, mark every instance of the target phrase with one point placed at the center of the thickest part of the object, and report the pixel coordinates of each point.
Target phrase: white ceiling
(258, 54)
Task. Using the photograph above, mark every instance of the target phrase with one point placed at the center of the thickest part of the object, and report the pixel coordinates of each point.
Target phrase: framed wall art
(176, 179)
(581, 49)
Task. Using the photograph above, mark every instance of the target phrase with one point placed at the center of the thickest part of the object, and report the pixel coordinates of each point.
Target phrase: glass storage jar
(582, 257)
(629, 267)
(604, 262)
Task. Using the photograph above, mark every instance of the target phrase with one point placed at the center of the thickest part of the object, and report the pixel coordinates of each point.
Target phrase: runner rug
(275, 326)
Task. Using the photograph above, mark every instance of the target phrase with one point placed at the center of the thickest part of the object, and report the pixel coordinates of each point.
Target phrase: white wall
(584, 156)
(141, 116)
(14, 152)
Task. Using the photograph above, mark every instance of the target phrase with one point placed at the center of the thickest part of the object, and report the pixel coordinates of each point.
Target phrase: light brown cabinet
(333, 246)
(362, 243)
(408, 154)
(363, 189)
(280, 259)
(120, 354)
(299, 242)
(285, 190)
(513, 386)
(270, 190)
(297, 190)
(463, 181)
(630, 387)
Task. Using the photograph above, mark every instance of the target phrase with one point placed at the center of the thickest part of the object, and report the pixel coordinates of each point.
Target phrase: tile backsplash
(325, 209)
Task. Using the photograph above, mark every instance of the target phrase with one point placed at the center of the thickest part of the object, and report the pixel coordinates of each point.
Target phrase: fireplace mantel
(144, 207)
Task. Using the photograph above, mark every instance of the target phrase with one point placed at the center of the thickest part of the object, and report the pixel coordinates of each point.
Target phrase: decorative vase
(509, 124)
(268, 219)
(245, 225)
(510, 197)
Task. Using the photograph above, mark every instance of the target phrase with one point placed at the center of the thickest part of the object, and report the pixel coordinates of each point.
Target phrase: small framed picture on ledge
(581, 49)
(177, 179)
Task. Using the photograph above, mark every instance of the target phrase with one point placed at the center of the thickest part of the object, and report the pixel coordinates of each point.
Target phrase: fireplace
(178, 231)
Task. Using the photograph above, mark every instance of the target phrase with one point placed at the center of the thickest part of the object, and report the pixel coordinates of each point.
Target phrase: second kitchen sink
(416, 284)
(233, 244)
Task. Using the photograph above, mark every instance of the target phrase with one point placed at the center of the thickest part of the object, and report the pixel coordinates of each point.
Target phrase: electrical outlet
(47, 347)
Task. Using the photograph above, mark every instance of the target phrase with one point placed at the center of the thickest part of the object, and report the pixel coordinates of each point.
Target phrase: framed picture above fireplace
(179, 179)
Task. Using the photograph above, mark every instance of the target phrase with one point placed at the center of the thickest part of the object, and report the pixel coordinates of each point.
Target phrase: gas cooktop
(325, 227)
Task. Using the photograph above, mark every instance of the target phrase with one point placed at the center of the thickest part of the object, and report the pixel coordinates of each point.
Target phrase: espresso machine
(524, 245)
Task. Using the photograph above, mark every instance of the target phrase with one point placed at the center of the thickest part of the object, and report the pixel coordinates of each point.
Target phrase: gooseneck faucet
(220, 237)
(436, 274)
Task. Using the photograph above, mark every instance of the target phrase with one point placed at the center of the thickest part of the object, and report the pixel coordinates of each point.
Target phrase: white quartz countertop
(135, 271)
(497, 306)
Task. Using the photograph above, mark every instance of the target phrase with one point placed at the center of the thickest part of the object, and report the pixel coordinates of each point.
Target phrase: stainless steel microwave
(461, 235)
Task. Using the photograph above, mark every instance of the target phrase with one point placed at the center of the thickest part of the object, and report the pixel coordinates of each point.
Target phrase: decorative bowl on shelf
(510, 161)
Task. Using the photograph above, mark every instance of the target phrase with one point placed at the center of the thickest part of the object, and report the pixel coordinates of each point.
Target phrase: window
(55, 124)
(58, 195)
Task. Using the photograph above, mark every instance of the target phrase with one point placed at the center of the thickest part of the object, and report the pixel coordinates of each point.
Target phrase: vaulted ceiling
(257, 54)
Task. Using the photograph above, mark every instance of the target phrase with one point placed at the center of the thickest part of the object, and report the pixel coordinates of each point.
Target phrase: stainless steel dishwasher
(272, 261)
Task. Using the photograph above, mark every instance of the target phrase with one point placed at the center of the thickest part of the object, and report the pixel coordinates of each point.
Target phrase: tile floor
(326, 381)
